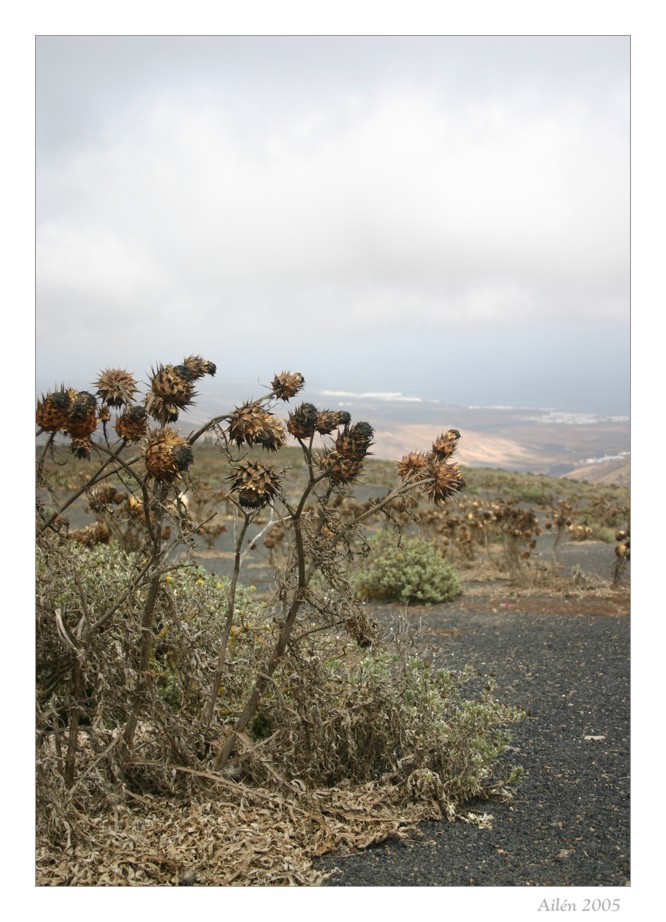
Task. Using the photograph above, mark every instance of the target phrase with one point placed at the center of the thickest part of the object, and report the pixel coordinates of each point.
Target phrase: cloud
(442, 195)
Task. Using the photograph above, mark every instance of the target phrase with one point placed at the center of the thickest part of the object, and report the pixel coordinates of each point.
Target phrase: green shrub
(409, 570)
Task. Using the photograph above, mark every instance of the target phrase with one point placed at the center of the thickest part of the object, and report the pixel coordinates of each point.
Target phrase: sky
(443, 217)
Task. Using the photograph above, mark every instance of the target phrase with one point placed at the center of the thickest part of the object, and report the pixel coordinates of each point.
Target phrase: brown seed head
(287, 384)
(166, 454)
(133, 424)
(255, 484)
(116, 387)
(199, 367)
(412, 464)
(302, 421)
(172, 385)
(53, 409)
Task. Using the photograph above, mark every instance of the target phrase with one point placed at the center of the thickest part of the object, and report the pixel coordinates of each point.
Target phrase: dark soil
(568, 824)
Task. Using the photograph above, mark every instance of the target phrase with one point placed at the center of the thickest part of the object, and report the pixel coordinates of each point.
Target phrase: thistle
(173, 385)
(53, 409)
(166, 454)
(251, 424)
(328, 420)
(255, 484)
(302, 421)
(133, 424)
(444, 446)
(116, 387)
(198, 367)
(81, 420)
(354, 442)
(412, 464)
(287, 384)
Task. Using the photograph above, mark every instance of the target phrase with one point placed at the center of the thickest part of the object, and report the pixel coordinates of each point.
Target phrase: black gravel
(569, 822)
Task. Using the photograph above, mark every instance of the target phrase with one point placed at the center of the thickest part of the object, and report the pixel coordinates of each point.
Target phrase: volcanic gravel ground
(569, 822)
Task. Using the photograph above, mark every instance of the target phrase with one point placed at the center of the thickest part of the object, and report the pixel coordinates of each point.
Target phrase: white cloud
(378, 201)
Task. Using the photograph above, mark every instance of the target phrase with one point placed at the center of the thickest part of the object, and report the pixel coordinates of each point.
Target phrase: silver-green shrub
(407, 570)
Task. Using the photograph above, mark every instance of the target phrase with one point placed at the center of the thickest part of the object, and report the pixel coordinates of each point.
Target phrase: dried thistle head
(412, 464)
(166, 454)
(53, 409)
(339, 468)
(252, 424)
(287, 384)
(255, 484)
(173, 385)
(442, 481)
(355, 441)
(444, 446)
(90, 535)
(116, 387)
(302, 421)
(328, 420)
(81, 447)
(82, 416)
(198, 367)
(132, 425)
(160, 409)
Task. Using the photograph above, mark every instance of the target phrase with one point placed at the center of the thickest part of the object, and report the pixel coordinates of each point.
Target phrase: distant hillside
(615, 471)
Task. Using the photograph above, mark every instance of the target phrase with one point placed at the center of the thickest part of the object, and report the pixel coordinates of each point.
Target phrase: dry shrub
(168, 698)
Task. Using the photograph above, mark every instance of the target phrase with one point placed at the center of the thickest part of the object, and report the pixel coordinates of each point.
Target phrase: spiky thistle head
(53, 409)
(166, 454)
(82, 416)
(444, 446)
(116, 387)
(328, 420)
(160, 409)
(442, 481)
(339, 468)
(412, 464)
(198, 367)
(287, 384)
(251, 424)
(173, 385)
(302, 421)
(132, 425)
(255, 484)
(355, 441)
(81, 447)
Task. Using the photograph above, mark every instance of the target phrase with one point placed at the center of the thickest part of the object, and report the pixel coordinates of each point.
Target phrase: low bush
(407, 570)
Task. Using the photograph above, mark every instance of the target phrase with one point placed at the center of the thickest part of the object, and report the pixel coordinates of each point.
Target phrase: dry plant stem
(74, 714)
(264, 678)
(147, 621)
(42, 457)
(231, 607)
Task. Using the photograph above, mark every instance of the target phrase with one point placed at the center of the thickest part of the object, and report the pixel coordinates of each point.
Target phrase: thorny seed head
(116, 387)
(166, 454)
(302, 421)
(132, 425)
(287, 384)
(169, 384)
(53, 409)
(442, 481)
(199, 367)
(255, 484)
(252, 424)
(339, 468)
(412, 464)
(444, 446)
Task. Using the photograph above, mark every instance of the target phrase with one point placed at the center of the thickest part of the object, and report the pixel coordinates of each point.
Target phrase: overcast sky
(439, 216)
